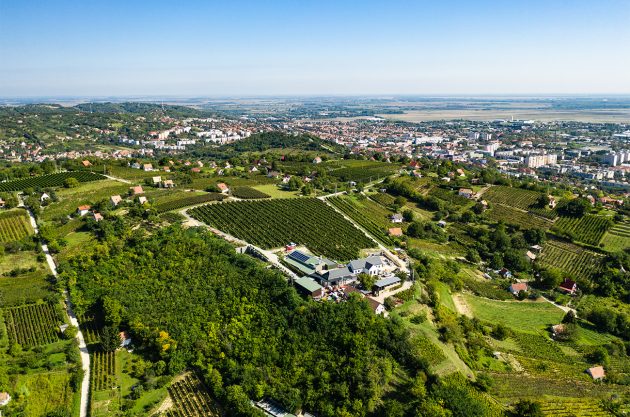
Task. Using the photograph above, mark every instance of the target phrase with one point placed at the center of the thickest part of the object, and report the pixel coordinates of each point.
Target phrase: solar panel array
(299, 256)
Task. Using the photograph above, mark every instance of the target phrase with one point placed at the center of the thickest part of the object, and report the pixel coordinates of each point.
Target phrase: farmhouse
(377, 307)
(86, 163)
(83, 210)
(223, 188)
(137, 190)
(371, 265)
(168, 184)
(317, 160)
(517, 287)
(4, 398)
(308, 286)
(125, 339)
(336, 276)
(395, 231)
(466, 192)
(115, 200)
(147, 167)
(596, 372)
(396, 218)
(156, 180)
(568, 286)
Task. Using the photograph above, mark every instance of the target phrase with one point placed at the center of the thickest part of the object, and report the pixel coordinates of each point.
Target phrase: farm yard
(52, 180)
(274, 223)
(14, 225)
(569, 258)
(587, 229)
(190, 398)
(32, 325)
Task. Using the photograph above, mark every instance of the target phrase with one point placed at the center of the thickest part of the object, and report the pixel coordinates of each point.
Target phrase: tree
(110, 339)
(408, 215)
(576, 208)
(367, 281)
(71, 182)
(70, 332)
(549, 278)
(294, 183)
(527, 408)
(543, 201)
(569, 317)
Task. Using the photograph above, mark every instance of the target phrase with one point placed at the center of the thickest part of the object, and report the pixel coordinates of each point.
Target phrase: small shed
(308, 286)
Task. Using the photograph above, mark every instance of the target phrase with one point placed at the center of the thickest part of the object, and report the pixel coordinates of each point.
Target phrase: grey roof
(387, 281)
(334, 274)
(308, 284)
(365, 263)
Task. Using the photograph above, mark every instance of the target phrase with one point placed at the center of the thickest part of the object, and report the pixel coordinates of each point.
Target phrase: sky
(302, 47)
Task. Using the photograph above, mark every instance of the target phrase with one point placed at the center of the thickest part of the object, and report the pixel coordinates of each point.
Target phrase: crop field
(248, 193)
(188, 201)
(191, 399)
(274, 223)
(450, 196)
(524, 316)
(616, 238)
(363, 171)
(588, 229)
(515, 197)
(52, 180)
(14, 225)
(383, 199)
(103, 371)
(32, 325)
(510, 215)
(570, 258)
(573, 407)
(368, 219)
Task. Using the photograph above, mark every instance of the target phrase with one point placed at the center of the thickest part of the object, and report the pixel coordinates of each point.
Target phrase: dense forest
(190, 301)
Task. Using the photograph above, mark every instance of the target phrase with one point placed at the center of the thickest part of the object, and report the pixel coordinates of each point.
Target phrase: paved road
(85, 357)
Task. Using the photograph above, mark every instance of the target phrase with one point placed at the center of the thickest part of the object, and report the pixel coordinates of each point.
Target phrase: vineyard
(248, 193)
(89, 328)
(191, 399)
(515, 197)
(52, 180)
(365, 172)
(103, 371)
(383, 199)
(617, 238)
(14, 225)
(188, 201)
(520, 218)
(570, 258)
(32, 325)
(361, 218)
(588, 229)
(274, 223)
(573, 407)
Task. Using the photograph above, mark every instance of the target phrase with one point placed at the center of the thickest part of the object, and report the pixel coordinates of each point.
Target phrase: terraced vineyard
(517, 217)
(103, 371)
(588, 229)
(570, 258)
(617, 238)
(33, 324)
(248, 193)
(188, 201)
(361, 218)
(573, 407)
(274, 223)
(191, 399)
(14, 225)
(52, 180)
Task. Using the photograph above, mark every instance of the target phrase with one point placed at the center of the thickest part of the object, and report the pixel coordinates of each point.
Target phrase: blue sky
(208, 48)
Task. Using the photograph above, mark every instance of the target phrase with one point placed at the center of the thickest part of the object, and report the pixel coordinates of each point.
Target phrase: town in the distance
(315, 257)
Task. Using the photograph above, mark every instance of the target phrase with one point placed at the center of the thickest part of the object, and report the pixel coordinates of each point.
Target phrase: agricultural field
(190, 398)
(510, 215)
(186, 201)
(518, 198)
(361, 171)
(248, 193)
(383, 199)
(274, 223)
(25, 288)
(45, 181)
(14, 225)
(276, 192)
(523, 316)
(367, 214)
(32, 325)
(450, 196)
(103, 371)
(129, 173)
(587, 229)
(616, 238)
(570, 258)
(573, 407)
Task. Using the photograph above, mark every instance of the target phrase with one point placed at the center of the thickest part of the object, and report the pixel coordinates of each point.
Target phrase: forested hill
(190, 301)
(109, 108)
(260, 142)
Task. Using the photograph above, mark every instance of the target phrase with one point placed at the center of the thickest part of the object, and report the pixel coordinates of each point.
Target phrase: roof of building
(336, 274)
(374, 304)
(365, 263)
(82, 208)
(518, 286)
(597, 372)
(308, 284)
(381, 283)
(568, 284)
(395, 231)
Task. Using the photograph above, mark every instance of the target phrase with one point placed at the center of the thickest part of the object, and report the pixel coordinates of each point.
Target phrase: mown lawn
(275, 192)
(524, 316)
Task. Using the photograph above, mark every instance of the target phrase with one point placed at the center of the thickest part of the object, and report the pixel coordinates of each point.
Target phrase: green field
(275, 192)
(509, 196)
(274, 223)
(570, 258)
(510, 215)
(524, 316)
(25, 288)
(371, 216)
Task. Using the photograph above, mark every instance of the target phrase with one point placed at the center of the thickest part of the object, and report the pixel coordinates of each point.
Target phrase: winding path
(85, 356)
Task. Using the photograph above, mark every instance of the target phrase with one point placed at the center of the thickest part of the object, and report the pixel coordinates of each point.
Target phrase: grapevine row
(51, 180)
(32, 325)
